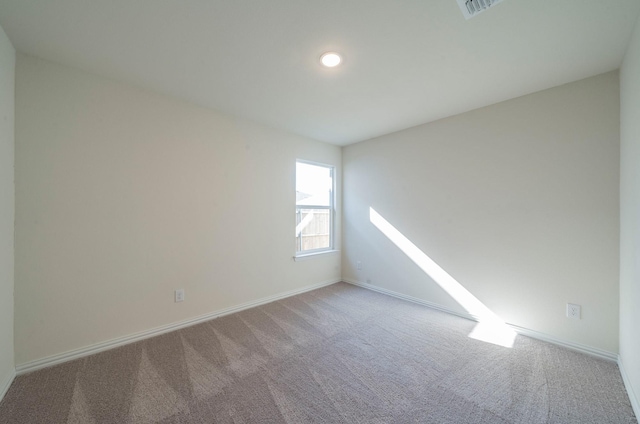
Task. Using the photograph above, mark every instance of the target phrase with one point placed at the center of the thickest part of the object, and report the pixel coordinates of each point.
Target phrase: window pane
(313, 229)
(313, 185)
(314, 207)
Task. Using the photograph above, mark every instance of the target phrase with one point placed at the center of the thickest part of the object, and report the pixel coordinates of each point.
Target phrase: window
(314, 207)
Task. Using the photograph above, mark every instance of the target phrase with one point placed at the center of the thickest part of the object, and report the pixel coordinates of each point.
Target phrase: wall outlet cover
(179, 295)
(573, 311)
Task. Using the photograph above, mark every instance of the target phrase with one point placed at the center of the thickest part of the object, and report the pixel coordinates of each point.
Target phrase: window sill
(305, 256)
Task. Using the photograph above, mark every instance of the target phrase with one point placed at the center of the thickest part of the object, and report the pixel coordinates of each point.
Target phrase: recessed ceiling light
(330, 59)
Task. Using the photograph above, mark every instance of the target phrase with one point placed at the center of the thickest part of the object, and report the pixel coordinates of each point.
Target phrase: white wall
(7, 203)
(629, 222)
(124, 195)
(517, 201)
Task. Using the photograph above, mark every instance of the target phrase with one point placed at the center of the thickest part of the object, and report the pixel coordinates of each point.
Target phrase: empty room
(243, 211)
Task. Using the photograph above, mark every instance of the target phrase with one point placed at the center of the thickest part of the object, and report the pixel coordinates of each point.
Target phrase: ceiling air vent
(471, 8)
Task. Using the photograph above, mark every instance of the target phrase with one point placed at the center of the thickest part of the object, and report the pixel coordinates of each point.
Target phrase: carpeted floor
(340, 354)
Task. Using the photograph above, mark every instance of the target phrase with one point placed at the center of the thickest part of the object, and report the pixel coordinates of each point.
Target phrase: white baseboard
(410, 299)
(4, 385)
(610, 356)
(131, 338)
(589, 350)
(635, 402)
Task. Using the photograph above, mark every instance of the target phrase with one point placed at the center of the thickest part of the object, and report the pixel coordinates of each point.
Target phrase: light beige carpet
(340, 354)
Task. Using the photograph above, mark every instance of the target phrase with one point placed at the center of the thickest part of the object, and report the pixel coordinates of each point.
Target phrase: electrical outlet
(179, 295)
(359, 265)
(573, 311)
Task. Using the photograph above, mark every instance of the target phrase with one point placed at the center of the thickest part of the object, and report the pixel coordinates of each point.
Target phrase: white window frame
(332, 214)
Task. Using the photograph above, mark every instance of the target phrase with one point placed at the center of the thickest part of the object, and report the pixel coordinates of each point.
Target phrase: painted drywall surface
(7, 201)
(629, 213)
(517, 201)
(123, 196)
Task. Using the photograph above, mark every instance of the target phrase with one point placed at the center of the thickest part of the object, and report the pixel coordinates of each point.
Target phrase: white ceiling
(406, 62)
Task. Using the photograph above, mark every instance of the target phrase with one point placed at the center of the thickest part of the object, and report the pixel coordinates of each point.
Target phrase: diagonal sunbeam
(490, 327)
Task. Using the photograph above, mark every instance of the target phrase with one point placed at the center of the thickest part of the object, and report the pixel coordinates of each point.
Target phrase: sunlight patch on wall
(490, 327)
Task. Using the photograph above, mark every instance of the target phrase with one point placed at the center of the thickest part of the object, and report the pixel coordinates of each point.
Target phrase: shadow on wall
(490, 327)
